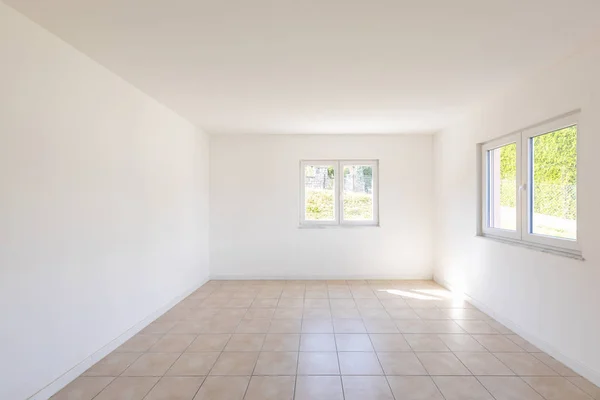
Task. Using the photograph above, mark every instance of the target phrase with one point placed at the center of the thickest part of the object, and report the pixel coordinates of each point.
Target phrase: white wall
(254, 218)
(103, 208)
(552, 300)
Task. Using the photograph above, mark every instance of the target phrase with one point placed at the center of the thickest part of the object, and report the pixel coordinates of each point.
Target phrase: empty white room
(299, 200)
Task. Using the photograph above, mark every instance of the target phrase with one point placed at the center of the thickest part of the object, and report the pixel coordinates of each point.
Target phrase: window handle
(522, 188)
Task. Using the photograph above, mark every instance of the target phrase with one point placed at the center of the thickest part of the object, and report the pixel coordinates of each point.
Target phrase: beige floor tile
(271, 388)
(317, 342)
(464, 313)
(291, 303)
(344, 313)
(525, 364)
(432, 313)
(317, 293)
(158, 327)
(285, 326)
(152, 364)
(397, 363)
(368, 303)
(412, 326)
(353, 342)
(223, 388)
(209, 342)
(195, 327)
(220, 325)
(483, 364)
(235, 363)
(402, 313)
(374, 313)
(316, 313)
(318, 363)
(83, 388)
(389, 342)
(316, 303)
(173, 343)
(128, 388)
(341, 303)
(585, 385)
(113, 364)
(522, 343)
(193, 364)
(476, 327)
(414, 388)
(461, 388)
(257, 325)
(276, 329)
(366, 387)
(282, 342)
(509, 388)
(264, 303)
(447, 326)
(380, 325)
(556, 365)
(499, 327)
(425, 342)
(556, 388)
(175, 388)
(245, 342)
(349, 325)
(288, 313)
(395, 303)
(241, 303)
(139, 343)
(318, 388)
(317, 326)
(461, 342)
(359, 363)
(497, 344)
(442, 364)
(260, 313)
(276, 363)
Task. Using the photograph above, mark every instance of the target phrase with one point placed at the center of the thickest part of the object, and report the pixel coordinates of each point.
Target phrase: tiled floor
(327, 340)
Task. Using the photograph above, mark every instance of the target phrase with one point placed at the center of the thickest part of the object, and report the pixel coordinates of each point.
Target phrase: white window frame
(523, 234)
(338, 168)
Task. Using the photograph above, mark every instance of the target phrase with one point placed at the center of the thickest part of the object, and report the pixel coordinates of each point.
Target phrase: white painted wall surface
(552, 300)
(103, 207)
(254, 218)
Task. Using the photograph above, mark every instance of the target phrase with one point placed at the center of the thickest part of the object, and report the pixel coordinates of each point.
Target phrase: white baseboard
(316, 277)
(582, 369)
(66, 378)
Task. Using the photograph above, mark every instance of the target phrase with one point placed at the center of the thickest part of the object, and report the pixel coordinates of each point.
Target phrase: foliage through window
(530, 185)
(339, 192)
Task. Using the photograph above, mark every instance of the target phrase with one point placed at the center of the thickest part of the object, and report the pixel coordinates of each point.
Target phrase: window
(335, 192)
(529, 185)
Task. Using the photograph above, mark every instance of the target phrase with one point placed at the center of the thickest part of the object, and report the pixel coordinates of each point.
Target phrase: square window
(339, 192)
(529, 186)
(553, 195)
(319, 190)
(358, 192)
(502, 187)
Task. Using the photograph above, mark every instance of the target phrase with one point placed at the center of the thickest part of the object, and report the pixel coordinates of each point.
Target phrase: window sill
(345, 226)
(575, 255)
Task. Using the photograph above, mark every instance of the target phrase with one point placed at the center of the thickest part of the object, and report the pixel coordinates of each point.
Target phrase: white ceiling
(320, 66)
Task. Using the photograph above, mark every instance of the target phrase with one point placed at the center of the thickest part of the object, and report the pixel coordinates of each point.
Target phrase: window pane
(502, 187)
(554, 181)
(319, 188)
(358, 192)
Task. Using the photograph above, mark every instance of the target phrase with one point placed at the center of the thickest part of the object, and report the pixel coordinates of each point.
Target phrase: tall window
(529, 187)
(335, 192)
